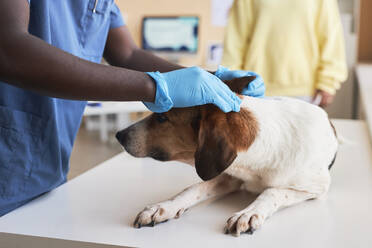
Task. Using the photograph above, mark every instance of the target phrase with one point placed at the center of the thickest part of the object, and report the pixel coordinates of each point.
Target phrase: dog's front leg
(270, 200)
(174, 207)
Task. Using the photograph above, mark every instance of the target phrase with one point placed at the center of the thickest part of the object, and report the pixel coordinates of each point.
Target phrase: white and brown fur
(278, 148)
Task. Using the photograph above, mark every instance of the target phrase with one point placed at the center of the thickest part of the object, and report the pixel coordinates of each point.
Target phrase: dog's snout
(131, 142)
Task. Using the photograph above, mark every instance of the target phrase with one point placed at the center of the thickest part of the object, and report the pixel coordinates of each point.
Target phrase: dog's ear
(238, 84)
(215, 152)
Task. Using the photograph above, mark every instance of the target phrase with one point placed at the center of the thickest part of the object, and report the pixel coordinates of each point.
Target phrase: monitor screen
(170, 34)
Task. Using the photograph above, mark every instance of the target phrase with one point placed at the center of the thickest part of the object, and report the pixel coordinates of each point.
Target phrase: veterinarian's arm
(237, 34)
(122, 51)
(332, 69)
(28, 62)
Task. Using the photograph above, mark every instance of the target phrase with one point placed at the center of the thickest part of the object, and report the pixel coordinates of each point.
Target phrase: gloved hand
(190, 87)
(256, 88)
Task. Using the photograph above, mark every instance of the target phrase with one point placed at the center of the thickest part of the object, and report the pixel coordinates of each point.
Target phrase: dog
(279, 148)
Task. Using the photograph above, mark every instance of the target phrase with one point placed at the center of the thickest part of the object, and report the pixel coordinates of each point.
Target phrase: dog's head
(203, 136)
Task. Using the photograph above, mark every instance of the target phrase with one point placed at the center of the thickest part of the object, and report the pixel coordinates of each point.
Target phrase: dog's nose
(118, 135)
(122, 137)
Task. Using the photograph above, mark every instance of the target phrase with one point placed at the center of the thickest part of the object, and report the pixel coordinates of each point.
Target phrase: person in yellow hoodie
(297, 46)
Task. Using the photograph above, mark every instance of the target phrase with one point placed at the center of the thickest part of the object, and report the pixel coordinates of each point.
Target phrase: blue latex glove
(190, 87)
(256, 88)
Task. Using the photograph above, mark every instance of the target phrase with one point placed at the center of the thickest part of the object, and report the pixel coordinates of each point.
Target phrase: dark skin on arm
(121, 51)
(30, 63)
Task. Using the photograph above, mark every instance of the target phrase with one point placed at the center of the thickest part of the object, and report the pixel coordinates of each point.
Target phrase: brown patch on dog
(238, 84)
(176, 136)
(240, 129)
(221, 137)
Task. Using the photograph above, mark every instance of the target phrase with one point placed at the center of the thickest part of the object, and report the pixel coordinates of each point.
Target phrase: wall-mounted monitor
(178, 34)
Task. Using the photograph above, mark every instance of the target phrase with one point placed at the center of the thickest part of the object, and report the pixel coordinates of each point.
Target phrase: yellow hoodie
(297, 46)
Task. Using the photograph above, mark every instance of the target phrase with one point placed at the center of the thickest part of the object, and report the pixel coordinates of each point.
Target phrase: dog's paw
(157, 213)
(244, 222)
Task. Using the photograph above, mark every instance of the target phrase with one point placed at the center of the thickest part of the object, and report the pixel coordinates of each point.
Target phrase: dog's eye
(161, 118)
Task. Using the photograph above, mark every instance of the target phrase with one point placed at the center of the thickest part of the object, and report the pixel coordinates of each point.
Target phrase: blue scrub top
(37, 132)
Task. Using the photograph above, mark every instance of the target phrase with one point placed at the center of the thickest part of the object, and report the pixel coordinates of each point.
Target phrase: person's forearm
(122, 51)
(145, 61)
(30, 63)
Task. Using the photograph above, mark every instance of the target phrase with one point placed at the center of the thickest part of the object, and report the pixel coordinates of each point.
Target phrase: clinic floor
(89, 151)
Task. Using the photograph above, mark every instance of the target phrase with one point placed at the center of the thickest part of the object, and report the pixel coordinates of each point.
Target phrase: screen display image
(170, 34)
